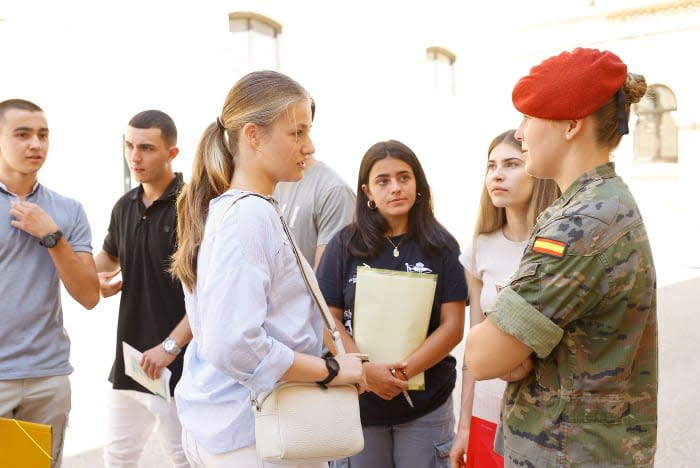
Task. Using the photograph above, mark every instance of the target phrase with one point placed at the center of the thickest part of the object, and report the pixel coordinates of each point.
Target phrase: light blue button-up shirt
(249, 312)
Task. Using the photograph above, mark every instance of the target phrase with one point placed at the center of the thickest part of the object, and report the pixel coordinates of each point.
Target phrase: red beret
(571, 85)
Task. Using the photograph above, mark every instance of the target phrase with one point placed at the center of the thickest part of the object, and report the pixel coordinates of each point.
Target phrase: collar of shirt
(170, 193)
(3, 188)
(604, 171)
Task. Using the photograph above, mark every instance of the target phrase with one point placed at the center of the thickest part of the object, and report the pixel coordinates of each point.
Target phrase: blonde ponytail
(261, 98)
(212, 171)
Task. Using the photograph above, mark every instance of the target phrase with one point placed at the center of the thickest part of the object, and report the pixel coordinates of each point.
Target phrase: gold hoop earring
(371, 205)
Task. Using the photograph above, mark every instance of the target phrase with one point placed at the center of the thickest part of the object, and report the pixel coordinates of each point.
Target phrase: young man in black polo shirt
(139, 243)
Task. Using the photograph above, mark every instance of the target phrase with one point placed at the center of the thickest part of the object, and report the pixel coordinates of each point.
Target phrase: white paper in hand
(132, 368)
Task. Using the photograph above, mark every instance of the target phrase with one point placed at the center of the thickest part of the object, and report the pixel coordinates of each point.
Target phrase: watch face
(170, 346)
(332, 364)
(50, 240)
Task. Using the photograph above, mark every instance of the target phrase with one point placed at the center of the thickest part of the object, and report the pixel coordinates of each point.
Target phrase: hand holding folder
(391, 315)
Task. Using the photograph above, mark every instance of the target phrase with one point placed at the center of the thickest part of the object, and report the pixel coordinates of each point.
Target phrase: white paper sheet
(132, 368)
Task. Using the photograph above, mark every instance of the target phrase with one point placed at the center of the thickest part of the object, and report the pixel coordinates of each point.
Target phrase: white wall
(92, 68)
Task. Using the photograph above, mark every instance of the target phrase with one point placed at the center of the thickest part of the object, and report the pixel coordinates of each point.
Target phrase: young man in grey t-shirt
(45, 240)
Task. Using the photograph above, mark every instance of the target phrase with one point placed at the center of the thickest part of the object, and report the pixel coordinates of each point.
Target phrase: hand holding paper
(391, 315)
(383, 382)
(132, 366)
(156, 360)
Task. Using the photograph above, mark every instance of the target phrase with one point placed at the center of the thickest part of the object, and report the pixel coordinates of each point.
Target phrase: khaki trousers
(44, 400)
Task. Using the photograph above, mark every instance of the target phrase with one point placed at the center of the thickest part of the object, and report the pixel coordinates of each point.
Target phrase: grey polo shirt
(33, 342)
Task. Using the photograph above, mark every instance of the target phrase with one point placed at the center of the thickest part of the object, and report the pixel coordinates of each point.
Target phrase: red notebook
(480, 452)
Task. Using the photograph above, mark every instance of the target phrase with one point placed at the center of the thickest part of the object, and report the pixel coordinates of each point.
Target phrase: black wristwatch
(333, 369)
(51, 239)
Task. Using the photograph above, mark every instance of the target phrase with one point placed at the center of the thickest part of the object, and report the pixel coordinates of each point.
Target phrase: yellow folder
(391, 315)
(24, 444)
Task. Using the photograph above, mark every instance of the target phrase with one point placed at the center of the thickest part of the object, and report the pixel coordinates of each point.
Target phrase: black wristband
(333, 369)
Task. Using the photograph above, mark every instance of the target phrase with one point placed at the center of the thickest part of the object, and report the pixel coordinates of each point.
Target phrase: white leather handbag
(302, 421)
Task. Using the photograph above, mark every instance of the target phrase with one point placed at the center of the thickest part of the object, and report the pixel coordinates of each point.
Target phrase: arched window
(656, 133)
(442, 62)
(255, 41)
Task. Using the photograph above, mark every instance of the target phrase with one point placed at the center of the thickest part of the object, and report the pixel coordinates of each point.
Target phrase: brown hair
(261, 98)
(607, 118)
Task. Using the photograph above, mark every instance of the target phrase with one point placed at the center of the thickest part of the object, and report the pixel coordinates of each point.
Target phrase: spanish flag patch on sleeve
(551, 247)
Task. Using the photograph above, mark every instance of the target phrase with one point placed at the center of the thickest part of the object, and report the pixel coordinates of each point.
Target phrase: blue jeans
(422, 443)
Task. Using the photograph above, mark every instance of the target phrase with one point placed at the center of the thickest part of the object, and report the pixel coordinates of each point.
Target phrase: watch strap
(332, 372)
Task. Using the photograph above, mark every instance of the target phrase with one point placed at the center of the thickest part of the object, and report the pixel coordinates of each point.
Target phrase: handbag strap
(335, 344)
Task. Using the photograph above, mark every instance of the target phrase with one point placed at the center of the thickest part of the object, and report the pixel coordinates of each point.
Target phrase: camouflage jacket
(584, 299)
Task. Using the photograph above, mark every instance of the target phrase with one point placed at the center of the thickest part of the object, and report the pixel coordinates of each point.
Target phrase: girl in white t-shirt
(510, 202)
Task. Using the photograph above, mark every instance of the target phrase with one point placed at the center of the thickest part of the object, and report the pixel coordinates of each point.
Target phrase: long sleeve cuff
(515, 316)
(271, 368)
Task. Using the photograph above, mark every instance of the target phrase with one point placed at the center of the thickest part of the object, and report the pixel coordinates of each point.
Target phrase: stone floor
(153, 457)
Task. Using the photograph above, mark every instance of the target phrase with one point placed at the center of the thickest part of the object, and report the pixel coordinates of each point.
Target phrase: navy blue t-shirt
(337, 276)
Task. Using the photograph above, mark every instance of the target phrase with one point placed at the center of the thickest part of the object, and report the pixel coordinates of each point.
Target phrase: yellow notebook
(392, 314)
(24, 444)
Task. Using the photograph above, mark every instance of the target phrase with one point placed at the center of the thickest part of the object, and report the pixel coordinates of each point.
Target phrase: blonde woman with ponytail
(252, 319)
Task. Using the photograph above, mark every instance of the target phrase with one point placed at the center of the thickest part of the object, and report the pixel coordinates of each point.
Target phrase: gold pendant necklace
(396, 246)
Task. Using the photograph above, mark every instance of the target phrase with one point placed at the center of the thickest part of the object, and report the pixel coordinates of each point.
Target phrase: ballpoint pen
(405, 392)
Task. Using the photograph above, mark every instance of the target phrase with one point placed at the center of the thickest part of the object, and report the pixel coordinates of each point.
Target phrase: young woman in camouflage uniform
(575, 331)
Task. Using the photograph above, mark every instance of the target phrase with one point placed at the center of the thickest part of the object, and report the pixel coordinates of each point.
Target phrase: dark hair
(20, 104)
(156, 119)
(366, 234)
